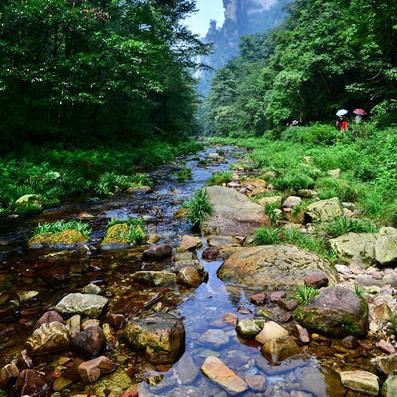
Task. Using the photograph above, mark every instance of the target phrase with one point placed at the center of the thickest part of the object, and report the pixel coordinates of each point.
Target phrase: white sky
(208, 9)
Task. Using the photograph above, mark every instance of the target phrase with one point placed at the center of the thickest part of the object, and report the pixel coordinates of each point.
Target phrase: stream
(55, 274)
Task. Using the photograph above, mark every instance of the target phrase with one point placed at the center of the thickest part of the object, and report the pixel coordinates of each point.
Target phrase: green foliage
(304, 294)
(332, 187)
(133, 233)
(184, 174)
(273, 213)
(317, 134)
(218, 178)
(61, 226)
(267, 236)
(198, 208)
(110, 183)
(293, 182)
(342, 225)
(359, 291)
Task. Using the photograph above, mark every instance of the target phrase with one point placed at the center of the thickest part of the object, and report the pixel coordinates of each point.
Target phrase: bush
(342, 225)
(218, 178)
(198, 208)
(273, 212)
(316, 134)
(332, 187)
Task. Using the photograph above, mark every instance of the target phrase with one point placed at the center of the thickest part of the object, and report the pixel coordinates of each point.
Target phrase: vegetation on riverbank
(53, 172)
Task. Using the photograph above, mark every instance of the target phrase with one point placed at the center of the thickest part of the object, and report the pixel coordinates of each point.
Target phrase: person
(344, 124)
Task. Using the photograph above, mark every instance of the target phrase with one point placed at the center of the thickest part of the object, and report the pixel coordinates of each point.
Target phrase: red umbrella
(360, 112)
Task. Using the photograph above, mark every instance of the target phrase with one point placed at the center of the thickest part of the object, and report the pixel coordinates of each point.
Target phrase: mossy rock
(28, 204)
(65, 238)
(124, 234)
(336, 312)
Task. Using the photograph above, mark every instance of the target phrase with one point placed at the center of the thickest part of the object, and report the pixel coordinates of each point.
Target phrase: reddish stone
(131, 393)
(385, 346)
(91, 371)
(230, 318)
(259, 299)
(49, 317)
(89, 342)
(316, 280)
(211, 254)
(115, 320)
(303, 334)
(277, 296)
(350, 342)
(24, 361)
(32, 383)
(158, 252)
(288, 304)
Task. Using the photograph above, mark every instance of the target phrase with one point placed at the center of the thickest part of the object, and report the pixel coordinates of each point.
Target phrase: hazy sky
(208, 9)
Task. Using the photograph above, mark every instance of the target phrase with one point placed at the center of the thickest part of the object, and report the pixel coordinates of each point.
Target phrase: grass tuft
(218, 178)
(304, 294)
(198, 208)
(342, 225)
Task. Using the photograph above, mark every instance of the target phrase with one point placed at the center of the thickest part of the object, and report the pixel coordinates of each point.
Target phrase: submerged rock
(189, 277)
(91, 371)
(219, 373)
(234, 214)
(161, 336)
(249, 328)
(337, 312)
(113, 384)
(33, 384)
(65, 239)
(279, 349)
(325, 210)
(361, 381)
(271, 330)
(272, 266)
(48, 338)
(86, 304)
(158, 252)
(90, 341)
(154, 279)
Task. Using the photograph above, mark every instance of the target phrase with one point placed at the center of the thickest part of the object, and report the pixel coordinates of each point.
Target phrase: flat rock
(234, 214)
(336, 311)
(219, 373)
(90, 371)
(272, 200)
(355, 245)
(186, 369)
(279, 349)
(215, 337)
(157, 252)
(89, 305)
(272, 266)
(189, 277)
(361, 381)
(154, 278)
(325, 210)
(271, 330)
(189, 243)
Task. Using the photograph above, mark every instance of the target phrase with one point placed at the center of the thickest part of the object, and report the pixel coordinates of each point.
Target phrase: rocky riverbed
(189, 314)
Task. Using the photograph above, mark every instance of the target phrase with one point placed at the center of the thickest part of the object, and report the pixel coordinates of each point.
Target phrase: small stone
(74, 325)
(32, 383)
(157, 252)
(89, 305)
(361, 381)
(211, 254)
(259, 299)
(189, 243)
(49, 317)
(350, 342)
(385, 346)
(279, 349)
(189, 277)
(303, 334)
(90, 341)
(26, 295)
(61, 383)
(154, 278)
(91, 371)
(336, 173)
(256, 382)
(385, 364)
(316, 280)
(115, 320)
(288, 304)
(230, 318)
(92, 289)
(381, 312)
(292, 201)
(249, 328)
(271, 330)
(219, 373)
(186, 369)
(153, 239)
(277, 296)
(7, 373)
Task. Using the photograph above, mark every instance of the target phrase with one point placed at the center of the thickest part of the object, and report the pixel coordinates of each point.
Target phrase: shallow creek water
(54, 274)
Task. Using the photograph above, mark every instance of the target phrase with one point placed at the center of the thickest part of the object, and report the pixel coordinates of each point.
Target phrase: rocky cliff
(242, 17)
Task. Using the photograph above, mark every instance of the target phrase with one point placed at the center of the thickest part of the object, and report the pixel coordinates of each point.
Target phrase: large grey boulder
(234, 214)
(389, 388)
(386, 246)
(325, 210)
(355, 245)
(336, 312)
(89, 305)
(161, 336)
(272, 266)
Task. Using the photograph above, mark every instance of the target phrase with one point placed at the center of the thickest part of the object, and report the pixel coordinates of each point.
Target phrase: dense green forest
(326, 56)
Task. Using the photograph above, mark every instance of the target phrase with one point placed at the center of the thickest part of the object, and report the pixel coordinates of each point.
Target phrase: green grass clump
(218, 178)
(294, 182)
(185, 173)
(342, 225)
(198, 208)
(343, 189)
(129, 231)
(273, 213)
(61, 226)
(111, 183)
(267, 236)
(304, 294)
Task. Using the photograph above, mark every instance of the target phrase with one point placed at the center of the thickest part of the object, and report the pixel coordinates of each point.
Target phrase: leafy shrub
(198, 208)
(218, 178)
(316, 134)
(342, 225)
(304, 294)
(61, 226)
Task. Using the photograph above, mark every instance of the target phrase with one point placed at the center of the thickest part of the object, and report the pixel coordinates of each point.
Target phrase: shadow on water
(54, 274)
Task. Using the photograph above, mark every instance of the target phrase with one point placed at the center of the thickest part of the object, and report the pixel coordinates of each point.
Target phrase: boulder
(161, 336)
(234, 214)
(272, 266)
(386, 246)
(389, 388)
(317, 280)
(49, 317)
(279, 349)
(91, 289)
(91, 371)
(219, 373)
(89, 305)
(292, 201)
(355, 245)
(189, 243)
(271, 330)
(28, 203)
(154, 279)
(273, 200)
(32, 383)
(385, 364)
(361, 381)
(325, 210)
(189, 277)
(337, 312)
(158, 252)
(210, 254)
(89, 342)
(48, 338)
(249, 328)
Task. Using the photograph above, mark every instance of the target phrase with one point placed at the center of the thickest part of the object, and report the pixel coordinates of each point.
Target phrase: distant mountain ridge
(242, 17)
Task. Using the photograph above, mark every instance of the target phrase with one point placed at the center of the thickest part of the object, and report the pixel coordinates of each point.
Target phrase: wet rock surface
(87, 304)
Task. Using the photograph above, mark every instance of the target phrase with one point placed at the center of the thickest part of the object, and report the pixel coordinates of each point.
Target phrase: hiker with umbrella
(341, 121)
(360, 113)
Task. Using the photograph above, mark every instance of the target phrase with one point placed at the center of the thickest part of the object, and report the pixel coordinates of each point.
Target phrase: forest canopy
(327, 55)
